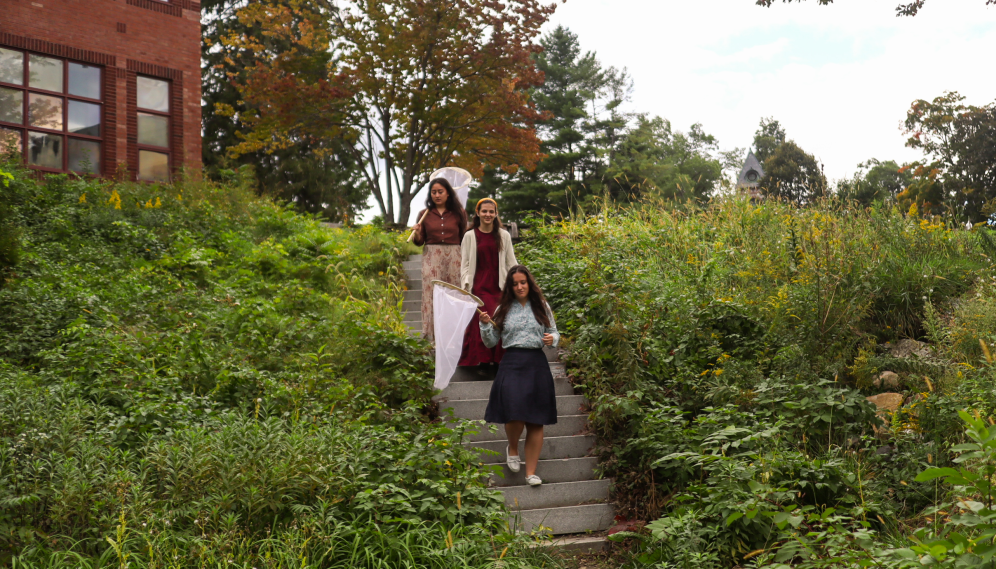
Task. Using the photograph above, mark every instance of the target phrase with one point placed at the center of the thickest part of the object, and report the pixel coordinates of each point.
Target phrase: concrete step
(566, 426)
(413, 274)
(413, 296)
(552, 354)
(552, 471)
(464, 390)
(473, 373)
(412, 265)
(553, 447)
(413, 317)
(474, 408)
(414, 284)
(568, 519)
(412, 306)
(556, 495)
(415, 258)
(575, 545)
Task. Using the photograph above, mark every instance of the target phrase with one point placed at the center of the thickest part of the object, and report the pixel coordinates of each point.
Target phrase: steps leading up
(565, 520)
(567, 426)
(556, 495)
(571, 500)
(474, 408)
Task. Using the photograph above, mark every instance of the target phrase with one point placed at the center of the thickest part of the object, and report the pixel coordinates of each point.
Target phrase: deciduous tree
(412, 84)
(960, 143)
(318, 182)
(792, 174)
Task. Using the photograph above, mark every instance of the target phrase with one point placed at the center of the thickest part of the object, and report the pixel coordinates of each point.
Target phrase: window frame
(168, 115)
(25, 128)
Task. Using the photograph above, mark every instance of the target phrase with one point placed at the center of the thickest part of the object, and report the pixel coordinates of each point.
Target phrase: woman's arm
(509, 250)
(489, 334)
(420, 234)
(468, 248)
(552, 328)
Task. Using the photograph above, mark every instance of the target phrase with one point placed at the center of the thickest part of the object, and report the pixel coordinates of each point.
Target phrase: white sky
(839, 78)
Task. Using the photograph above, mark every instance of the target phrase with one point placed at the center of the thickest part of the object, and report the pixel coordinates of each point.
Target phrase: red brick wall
(159, 39)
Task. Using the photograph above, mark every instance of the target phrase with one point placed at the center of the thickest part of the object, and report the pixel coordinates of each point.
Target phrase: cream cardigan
(468, 259)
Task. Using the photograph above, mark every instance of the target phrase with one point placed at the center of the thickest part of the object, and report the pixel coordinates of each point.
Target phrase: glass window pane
(10, 140)
(84, 80)
(84, 118)
(84, 156)
(45, 73)
(153, 130)
(11, 105)
(45, 111)
(11, 66)
(45, 150)
(153, 94)
(153, 166)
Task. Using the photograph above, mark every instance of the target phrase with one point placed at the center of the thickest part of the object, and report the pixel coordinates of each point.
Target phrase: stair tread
(567, 519)
(556, 495)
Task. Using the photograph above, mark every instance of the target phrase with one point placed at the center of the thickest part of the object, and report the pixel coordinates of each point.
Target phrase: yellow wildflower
(82, 198)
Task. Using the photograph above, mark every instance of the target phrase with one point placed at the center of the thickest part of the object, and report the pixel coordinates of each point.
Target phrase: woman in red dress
(486, 257)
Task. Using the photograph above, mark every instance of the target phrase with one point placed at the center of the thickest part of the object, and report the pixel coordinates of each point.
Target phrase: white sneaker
(534, 480)
(513, 462)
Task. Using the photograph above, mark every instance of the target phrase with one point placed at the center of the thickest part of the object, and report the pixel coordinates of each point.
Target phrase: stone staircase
(571, 500)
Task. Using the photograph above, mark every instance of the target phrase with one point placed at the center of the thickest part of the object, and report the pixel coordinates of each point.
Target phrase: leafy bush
(728, 350)
(194, 376)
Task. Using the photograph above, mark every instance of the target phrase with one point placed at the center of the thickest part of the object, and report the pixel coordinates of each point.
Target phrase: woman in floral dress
(441, 232)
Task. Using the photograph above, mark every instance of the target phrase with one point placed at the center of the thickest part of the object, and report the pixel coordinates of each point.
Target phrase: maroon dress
(486, 288)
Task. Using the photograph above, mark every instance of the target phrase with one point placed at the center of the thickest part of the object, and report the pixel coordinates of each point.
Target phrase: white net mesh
(452, 311)
(459, 178)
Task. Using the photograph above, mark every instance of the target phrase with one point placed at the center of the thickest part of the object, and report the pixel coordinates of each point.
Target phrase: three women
(522, 396)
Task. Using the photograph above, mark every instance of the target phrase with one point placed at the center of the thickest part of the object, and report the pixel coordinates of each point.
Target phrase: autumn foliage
(412, 85)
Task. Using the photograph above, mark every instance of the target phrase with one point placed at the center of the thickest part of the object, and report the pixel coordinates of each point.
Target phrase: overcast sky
(839, 78)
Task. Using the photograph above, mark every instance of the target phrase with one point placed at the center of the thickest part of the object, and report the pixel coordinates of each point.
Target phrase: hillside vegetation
(191, 376)
(728, 351)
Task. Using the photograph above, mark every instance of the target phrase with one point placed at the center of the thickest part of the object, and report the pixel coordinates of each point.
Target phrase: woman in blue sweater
(523, 395)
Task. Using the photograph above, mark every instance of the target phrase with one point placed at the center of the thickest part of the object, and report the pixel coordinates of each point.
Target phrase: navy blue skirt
(523, 389)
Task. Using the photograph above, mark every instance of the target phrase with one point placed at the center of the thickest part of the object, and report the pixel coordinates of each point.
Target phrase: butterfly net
(459, 178)
(452, 311)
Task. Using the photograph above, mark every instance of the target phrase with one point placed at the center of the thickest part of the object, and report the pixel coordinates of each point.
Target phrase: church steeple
(751, 173)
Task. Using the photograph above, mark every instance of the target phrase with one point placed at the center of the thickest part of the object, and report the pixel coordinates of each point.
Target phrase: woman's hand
(485, 318)
(547, 339)
(417, 228)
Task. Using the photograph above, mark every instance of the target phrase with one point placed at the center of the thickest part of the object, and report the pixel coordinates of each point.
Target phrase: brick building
(102, 85)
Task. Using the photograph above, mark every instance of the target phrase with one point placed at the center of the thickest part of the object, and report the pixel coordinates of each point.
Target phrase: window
(153, 129)
(51, 110)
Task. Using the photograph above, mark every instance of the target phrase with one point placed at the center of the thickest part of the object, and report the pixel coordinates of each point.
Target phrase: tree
(909, 9)
(768, 137)
(792, 174)
(654, 160)
(413, 85)
(316, 182)
(572, 80)
(960, 143)
(876, 181)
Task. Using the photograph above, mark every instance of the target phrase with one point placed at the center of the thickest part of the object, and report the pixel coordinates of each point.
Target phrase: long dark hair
(497, 227)
(452, 203)
(536, 299)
